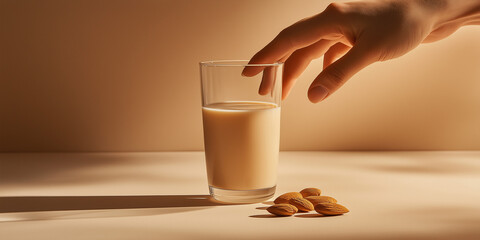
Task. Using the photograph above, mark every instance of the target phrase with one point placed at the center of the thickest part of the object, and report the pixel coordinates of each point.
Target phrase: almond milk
(241, 144)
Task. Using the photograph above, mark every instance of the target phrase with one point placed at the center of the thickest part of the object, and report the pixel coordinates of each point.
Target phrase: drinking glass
(241, 127)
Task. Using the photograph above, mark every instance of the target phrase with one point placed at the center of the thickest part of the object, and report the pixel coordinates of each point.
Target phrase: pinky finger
(267, 81)
(266, 86)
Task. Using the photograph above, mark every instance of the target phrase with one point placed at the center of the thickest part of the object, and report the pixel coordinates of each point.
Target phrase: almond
(321, 199)
(330, 209)
(301, 204)
(282, 209)
(286, 196)
(310, 192)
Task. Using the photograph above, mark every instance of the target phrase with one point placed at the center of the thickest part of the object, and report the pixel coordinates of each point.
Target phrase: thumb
(337, 73)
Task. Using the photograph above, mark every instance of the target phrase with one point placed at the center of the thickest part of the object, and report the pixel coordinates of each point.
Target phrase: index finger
(301, 34)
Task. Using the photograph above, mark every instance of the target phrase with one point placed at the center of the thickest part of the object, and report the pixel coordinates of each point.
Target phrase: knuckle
(285, 38)
(336, 75)
(335, 8)
(284, 33)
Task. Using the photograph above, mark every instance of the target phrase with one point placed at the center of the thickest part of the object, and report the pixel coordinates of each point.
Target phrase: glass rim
(237, 63)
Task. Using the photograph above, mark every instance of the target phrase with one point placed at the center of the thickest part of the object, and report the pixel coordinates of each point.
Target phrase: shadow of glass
(31, 208)
(62, 203)
(80, 214)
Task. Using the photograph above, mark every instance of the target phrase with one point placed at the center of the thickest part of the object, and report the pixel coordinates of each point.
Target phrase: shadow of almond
(261, 208)
(313, 215)
(267, 216)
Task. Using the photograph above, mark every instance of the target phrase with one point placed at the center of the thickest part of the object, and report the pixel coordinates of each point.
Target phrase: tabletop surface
(394, 195)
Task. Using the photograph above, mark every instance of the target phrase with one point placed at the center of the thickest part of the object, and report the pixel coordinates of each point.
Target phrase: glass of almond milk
(241, 126)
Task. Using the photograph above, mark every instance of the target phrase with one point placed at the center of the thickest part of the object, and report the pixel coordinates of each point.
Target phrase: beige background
(123, 76)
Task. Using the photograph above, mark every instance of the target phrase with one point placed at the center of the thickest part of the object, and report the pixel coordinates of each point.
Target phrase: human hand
(351, 36)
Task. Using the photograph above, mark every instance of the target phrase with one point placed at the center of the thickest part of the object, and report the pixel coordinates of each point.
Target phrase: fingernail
(245, 72)
(317, 94)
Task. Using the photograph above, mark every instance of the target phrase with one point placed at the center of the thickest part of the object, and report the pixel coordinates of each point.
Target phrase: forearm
(455, 12)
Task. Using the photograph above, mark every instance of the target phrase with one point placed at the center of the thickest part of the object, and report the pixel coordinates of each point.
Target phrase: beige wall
(123, 76)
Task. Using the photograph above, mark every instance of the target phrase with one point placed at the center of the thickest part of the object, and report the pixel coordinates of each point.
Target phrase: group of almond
(306, 200)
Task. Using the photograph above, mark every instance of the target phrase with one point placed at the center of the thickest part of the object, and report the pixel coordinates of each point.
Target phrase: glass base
(242, 196)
